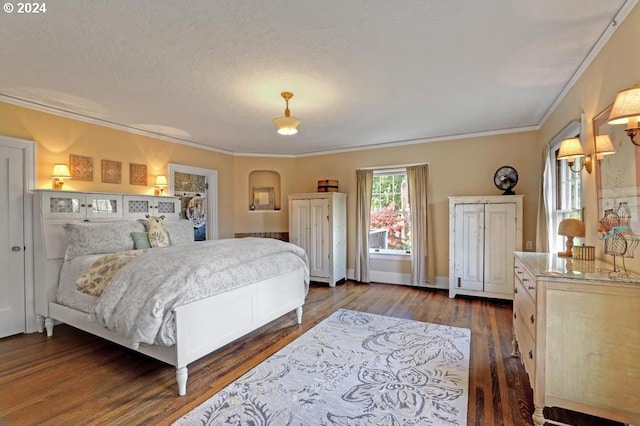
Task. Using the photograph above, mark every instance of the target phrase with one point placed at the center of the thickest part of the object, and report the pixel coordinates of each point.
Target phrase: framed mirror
(618, 186)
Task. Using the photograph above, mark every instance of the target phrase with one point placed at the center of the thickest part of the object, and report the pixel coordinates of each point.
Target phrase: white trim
(212, 194)
(387, 255)
(29, 158)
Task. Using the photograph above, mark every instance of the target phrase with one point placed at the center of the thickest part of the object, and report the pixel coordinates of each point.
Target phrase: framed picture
(138, 174)
(263, 198)
(81, 168)
(111, 171)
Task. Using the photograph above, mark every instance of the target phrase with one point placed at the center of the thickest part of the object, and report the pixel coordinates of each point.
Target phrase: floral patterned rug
(353, 368)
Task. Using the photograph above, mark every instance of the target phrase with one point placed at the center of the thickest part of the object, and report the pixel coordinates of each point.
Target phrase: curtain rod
(392, 167)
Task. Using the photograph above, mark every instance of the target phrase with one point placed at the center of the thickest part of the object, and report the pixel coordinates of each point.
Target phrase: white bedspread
(138, 303)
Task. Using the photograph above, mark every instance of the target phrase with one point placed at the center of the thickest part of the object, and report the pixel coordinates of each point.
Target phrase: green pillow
(140, 240)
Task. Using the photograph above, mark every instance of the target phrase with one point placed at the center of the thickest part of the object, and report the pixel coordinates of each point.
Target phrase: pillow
(98, 277)
(180, 231)
(140, 240)
(99, 237)
(157, 235)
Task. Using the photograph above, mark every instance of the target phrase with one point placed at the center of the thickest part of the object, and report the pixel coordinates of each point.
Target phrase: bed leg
(40, 323)
(299, 314)
(181, 378)
(48, 324)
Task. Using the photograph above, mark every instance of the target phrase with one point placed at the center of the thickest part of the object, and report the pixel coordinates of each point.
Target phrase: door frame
(212, 193)
(29, 180)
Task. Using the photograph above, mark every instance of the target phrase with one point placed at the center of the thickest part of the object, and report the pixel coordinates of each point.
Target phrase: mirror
(618, 183)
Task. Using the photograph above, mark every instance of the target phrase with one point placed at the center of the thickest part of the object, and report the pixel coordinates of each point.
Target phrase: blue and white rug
(353, 368)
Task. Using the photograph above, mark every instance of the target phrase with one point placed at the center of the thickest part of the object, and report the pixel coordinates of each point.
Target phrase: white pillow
(100, 237)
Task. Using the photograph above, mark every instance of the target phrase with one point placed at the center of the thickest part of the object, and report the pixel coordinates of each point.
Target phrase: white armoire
(318, 224)
(484, 231)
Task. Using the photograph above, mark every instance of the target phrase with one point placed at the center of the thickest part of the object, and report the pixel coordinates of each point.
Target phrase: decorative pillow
(140, 240)
(99, 237)
(98, 277)
(158, 237)
(180, 231)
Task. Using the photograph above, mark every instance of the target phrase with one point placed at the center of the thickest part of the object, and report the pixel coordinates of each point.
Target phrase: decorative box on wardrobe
(318, 224)
(484, 231)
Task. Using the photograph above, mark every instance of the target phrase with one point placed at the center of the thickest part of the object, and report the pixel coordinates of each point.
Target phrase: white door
(500, 243)
(319, 265)
(12, 260)
(469, 246)
(299, 224)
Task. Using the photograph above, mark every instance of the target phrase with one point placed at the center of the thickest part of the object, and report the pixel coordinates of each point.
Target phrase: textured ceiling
(364, 72)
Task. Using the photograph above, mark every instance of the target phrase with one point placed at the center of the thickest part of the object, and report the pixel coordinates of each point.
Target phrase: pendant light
(287, 124)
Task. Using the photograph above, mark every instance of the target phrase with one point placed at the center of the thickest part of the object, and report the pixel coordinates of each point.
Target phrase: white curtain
(545, 204)
(422, 252)
(364, 186)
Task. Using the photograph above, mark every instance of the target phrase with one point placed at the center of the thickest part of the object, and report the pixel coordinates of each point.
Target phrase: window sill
(405, 257)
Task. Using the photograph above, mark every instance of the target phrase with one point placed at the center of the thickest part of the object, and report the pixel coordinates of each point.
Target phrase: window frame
(563, 187)
(378, 253)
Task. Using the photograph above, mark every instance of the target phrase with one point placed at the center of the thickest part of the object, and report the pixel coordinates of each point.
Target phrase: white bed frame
(201, 326)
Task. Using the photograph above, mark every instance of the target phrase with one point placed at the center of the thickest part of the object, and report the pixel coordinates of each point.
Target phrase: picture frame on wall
(138, 174)
(81, 167)
(111, 171)
(263, 198)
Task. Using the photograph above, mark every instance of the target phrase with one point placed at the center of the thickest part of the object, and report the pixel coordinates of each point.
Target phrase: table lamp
(570, 228)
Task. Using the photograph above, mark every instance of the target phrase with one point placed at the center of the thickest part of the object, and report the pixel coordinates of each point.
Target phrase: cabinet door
(299, 224)
(500, 243)
(169, 207)
(138, 206)
(319, 261)
(469, 246)
(63, 205)
(103, 206)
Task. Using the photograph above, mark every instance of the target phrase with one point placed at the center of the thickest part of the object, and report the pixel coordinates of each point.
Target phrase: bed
(198, 296)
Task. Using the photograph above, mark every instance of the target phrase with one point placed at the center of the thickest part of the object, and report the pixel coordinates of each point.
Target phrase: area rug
(353, 368)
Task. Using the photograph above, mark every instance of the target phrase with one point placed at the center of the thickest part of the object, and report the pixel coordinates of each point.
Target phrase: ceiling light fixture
(626, 110)
(570, 150)
(287, 124)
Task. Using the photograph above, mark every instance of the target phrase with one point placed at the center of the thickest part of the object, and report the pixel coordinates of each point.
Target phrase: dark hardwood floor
(75, 378)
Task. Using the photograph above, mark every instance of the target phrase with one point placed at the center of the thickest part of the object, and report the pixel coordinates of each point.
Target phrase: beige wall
(460, 167)
(616, 67)
(56, 137)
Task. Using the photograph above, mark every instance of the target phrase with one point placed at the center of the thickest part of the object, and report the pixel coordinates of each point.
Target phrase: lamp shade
(604, 146)
(287, 125)
(626, 106)
(161, 180)
(60, 171)
(570, 148)
(571, 228)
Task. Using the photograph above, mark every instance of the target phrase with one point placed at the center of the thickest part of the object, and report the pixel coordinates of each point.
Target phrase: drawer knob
(531, 287)
(525, 279)
(530, 354)
(515, 290)
(531, 318)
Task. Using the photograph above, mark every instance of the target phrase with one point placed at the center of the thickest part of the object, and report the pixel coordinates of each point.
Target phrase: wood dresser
(576, 326)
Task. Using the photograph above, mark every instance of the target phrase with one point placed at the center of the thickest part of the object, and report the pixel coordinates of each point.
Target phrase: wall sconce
(59, 174)
(570, 228)
(570, 150)
(604, 146)
(287, 124)
(161, 184)
(626, 110)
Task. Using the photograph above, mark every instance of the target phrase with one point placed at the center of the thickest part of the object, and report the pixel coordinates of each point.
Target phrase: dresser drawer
(523, 276)
(524, 309)
(526, 348)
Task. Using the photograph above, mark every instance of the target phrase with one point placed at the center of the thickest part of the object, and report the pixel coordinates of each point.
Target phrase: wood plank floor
(75, 378)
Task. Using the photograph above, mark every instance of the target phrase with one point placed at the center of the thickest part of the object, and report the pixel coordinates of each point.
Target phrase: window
(389, 224)
(567, 199)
